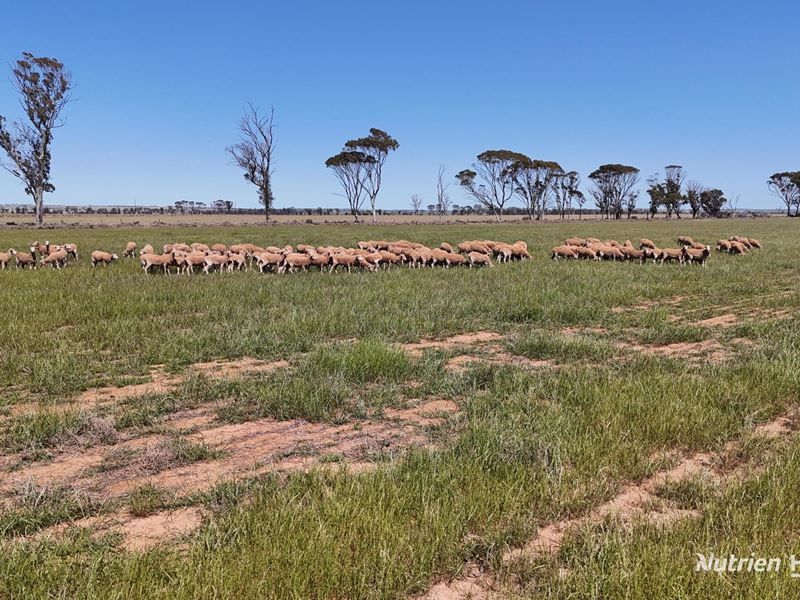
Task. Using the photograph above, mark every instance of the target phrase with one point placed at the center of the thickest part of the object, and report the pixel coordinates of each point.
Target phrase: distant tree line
(495, 180)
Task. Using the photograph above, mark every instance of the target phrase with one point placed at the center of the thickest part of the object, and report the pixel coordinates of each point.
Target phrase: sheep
(586, 252)
(446, 247)
(71, 250)
(654, 253)
(438, 256)
(503, 252)
(632, 254)
(214, 261)
(40, 250)
(575, 241)
(219, 248)
(645, 243)
(723, 246)
(370, 261)
(694, 255)
(23, 259)
(162, 261)
(98, 256)
(592, 240)
(294, 260)
(613, 243)
(738, 248)
(420, 258)
(236, 261)
(479, 258)
(192, 261)
(5, 258)
(612, 253)
(754, 243)
(320, 260)
(345, 260)
(685, 240)
(266, 260)
(670, 254)
(564, 251)
(55, 259)
(628, 244)
(697, 245)
(455, 259)
(148, 249)
(130, 250)
(390, 258)
(742, 240)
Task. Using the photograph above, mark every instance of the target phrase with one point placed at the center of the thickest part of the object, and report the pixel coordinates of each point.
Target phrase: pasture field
(540, 429)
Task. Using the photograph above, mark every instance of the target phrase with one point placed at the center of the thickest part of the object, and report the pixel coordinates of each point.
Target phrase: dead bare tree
(416, 203)
(44, 87)
(254, 153)
(442, 197)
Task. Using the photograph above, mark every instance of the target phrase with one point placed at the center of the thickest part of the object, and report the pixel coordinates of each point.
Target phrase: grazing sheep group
(737, 244)
(366, 256)
(689, 251)
(46, 255)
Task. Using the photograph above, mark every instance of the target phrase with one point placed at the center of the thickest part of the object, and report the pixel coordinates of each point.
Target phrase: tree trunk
(38, 200)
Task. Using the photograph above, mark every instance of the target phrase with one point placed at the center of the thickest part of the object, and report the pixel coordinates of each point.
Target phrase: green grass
(527, 447)
(38, 508)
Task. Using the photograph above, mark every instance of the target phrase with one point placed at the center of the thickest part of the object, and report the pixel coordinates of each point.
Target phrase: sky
(160, 88)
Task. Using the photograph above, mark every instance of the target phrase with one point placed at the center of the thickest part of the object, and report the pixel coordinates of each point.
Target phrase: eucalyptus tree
(254, 153)
(614, 187)
(376, 146)
(786, 186)
(44, 87)
(490, 181)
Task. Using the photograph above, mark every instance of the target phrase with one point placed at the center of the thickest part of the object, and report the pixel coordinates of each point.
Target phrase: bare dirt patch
(726, 320)
(710, 351)
(466, 339)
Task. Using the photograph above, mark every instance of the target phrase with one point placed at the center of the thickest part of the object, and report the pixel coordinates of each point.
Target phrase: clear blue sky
(711, 85)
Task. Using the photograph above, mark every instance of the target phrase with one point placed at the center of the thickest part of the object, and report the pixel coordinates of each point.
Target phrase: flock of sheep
(689, 251)
(368, 255)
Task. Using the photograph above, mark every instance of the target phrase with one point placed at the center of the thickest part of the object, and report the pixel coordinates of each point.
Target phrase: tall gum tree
(44, 87)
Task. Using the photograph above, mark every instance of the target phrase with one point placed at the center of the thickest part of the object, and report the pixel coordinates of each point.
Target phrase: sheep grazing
(455, 259)
(611, 253)
(694, 255)
(23, 259)
(592, 240)
(645, 243)
(670, 254)
(586, 252)
(130, 250)
(214, 261)
(723, 245)
(219, 248)
(343, 260)
(742, 240)
(5, 258)
(148, 249)
(754, 243)
(55, 259)
(575, 241)
(653, 253)
(157, 261)
(479, 258)
(697, 245)
(237, 261)
(323, 260)
(738, 248)
(294, 261)
(564, 251)
(631, 253)
(685, 240)
(446, 247)
(104, 258)
(71, 250)
(269, 260)
(192, 261)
